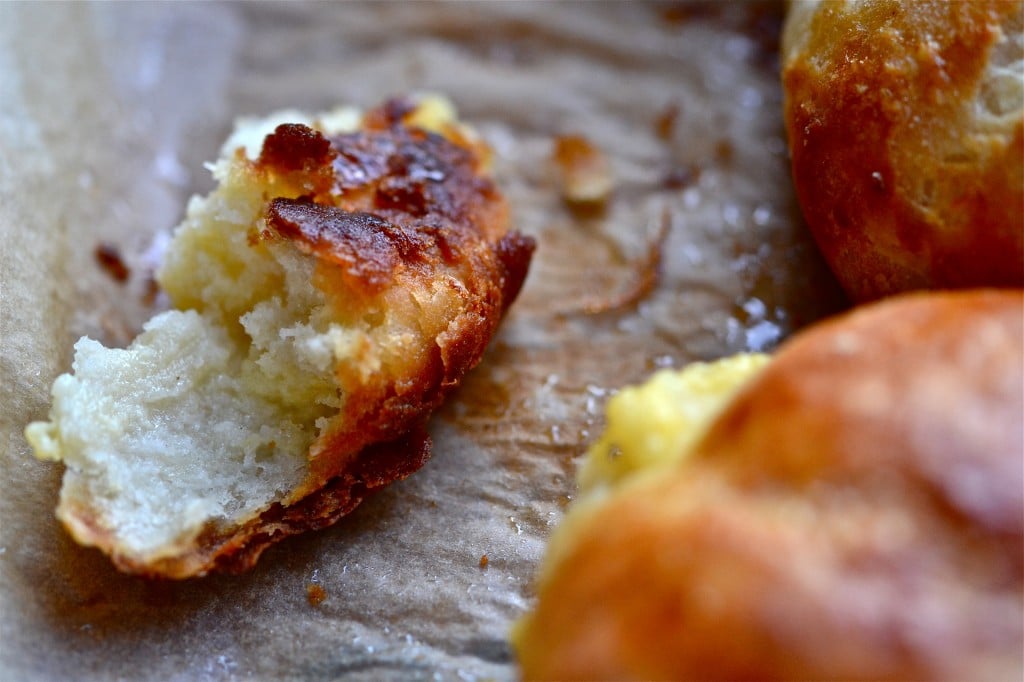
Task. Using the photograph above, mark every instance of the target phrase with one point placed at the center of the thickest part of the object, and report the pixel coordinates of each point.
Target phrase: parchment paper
(107, 113)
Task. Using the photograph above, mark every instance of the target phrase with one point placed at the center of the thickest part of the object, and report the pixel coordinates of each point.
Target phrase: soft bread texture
(855, 512)
(342, 278)
(906, 127)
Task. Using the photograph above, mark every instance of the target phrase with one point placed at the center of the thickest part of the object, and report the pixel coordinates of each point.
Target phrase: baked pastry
(856, 511)
(906, 127)
(342, 278)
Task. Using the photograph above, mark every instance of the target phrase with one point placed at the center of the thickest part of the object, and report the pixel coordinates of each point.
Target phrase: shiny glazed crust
(857, 512)
(906, 127)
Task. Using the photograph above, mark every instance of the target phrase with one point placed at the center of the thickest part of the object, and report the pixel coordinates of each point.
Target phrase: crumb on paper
(680, 177)
(109, 258)
(315, 594)
(665, 123)
(585, 175)
(725, 151)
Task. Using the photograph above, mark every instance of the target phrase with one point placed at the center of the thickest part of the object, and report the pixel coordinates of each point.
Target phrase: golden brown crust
(907, 164)
(856, 513)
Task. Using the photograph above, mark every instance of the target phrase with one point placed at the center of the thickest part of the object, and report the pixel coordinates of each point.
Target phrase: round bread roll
(905, 124)
(855, 512)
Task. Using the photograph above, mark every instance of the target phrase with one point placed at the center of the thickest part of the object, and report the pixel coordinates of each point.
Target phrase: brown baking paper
(107, 113)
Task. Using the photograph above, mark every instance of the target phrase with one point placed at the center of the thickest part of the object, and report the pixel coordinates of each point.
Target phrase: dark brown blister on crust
(366, 246)
(294, 147)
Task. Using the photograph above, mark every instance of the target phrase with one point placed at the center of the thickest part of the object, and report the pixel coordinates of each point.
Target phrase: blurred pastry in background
(855, 510)
(906, 128)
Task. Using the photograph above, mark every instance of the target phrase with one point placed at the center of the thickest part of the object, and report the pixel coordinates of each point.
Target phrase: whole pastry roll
(855, 511)
(906, 126)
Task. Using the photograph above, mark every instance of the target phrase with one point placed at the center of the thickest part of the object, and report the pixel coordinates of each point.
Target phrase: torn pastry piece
(341, 279)
(855, 510)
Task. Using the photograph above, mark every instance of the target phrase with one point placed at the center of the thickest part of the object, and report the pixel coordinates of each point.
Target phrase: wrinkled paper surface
(107, 113)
